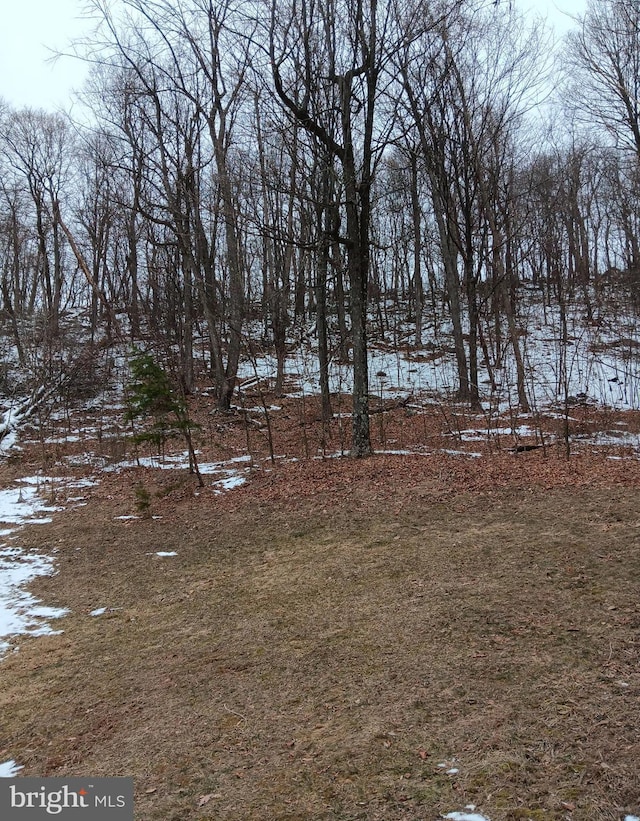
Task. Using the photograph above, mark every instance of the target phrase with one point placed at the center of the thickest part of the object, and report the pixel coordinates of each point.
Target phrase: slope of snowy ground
(589, 361)
(599, 363)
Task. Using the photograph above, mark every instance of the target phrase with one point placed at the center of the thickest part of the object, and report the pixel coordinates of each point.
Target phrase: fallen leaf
(204, 799)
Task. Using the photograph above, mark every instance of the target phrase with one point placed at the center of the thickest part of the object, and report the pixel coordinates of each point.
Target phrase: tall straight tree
(327, 60)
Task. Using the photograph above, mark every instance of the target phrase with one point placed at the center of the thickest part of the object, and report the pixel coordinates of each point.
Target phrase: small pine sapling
(143, 500)
(150, 394)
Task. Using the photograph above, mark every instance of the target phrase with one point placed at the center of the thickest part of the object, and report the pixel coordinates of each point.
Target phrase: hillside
(450, 624)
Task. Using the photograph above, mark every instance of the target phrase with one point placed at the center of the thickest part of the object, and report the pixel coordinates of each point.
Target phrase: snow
(99, 611)
(230, 482)
(477, 435)
(596, 364)
(20, 612)
(401, 452)
(612, 437)
(449, 769)
(465, 816)
(166, 553)
(232, 472)
(9, 769)
(22, 504)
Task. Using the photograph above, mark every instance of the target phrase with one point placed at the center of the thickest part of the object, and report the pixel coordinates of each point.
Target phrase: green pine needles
(150, 395)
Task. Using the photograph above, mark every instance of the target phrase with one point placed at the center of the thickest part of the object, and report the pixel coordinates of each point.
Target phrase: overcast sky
(31, 28)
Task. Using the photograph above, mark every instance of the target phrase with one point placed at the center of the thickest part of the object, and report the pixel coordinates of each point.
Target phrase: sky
(31, 29)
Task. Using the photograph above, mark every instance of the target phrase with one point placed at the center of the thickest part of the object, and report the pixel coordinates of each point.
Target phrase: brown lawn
(332, 634)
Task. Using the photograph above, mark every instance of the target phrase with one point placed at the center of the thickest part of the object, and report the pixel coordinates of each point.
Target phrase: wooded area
(280, 232)
(248, 175)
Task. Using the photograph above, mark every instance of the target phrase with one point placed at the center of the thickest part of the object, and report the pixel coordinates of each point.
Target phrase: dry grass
(319, 656)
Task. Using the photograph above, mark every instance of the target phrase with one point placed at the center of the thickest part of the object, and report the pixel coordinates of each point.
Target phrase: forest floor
(397, 638)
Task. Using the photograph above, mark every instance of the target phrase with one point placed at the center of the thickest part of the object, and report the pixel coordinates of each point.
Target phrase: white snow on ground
(596, 362)
(9, 769)
(466, 816)
(166, 553)
(101, 611)
(22, 505)
(20, 612)
(479, 435)
(401, 453)
(230, 482)
(611, 437)
(179, 461)
(232, 472)
(402, 376)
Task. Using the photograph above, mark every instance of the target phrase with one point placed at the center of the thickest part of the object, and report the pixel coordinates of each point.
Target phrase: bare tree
(190, 67)
(603, 67)
(328, 61)
(37, 146)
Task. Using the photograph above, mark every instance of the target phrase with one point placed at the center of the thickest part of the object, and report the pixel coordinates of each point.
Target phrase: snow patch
(20, 612)
(21, 505)
(231, 470)
(9, 769)
(230, 482)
